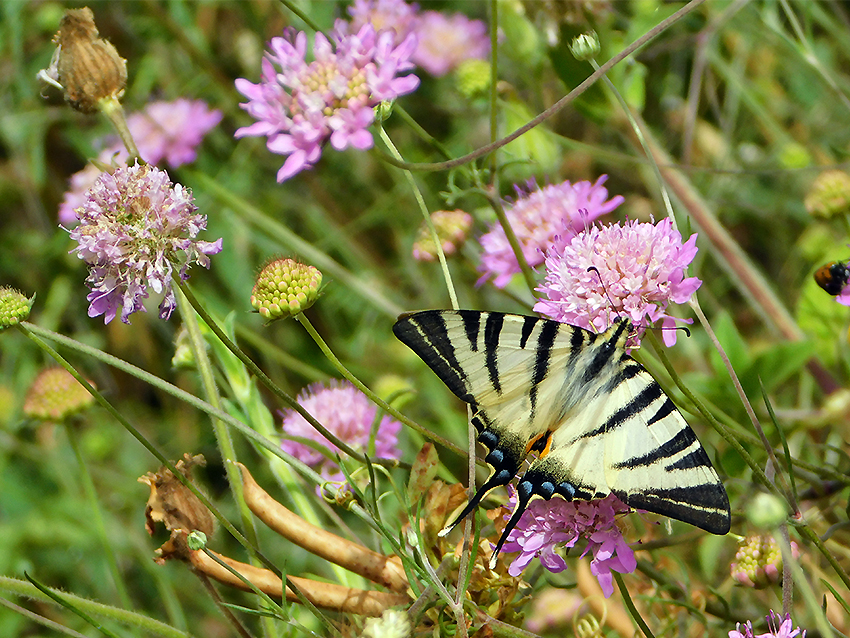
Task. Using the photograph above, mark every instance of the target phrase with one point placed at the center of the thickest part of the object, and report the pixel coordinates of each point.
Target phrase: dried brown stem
(322, 595)
(384, 570)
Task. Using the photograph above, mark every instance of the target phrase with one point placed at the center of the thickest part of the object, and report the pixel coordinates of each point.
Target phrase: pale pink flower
(537, 217)
(347, 413)
(638, 269)
(779, 628)
(452, 227)
(172, 131)
(136, 228)
(83, 180)
(547, 525)
(305, 105)
(446, 41)
(396, 15)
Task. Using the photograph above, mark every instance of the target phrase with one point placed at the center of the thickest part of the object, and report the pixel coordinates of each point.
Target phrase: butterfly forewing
(600, 422)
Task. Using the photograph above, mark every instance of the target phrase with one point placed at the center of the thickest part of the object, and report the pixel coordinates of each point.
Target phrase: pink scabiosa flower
(306, 104)
(546, 525)
(347, 413)
(452, 227)
(172, 131)
(446, 41)
(537, 217)
(779, 628)
(397, 15)
(136, 228)
(83, 180)
(639, 267)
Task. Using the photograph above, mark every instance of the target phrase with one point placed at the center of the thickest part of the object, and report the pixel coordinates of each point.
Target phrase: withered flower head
(86, 67)
(175, 506)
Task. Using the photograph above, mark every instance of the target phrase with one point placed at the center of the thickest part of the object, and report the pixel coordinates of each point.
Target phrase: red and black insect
(833, 277)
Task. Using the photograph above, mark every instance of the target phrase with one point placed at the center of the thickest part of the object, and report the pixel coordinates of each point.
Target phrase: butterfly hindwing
(599, 421)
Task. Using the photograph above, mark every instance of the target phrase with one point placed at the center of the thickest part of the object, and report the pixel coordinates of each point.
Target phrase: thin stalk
(627, 600)
(238, 627)
(559, 105)
(302, 319)
(810, 535)
(527, 273)
(97, 516)
(127, 618)
(423, 208)
(271, 385)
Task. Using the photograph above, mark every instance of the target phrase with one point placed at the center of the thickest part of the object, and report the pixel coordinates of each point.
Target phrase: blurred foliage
(749, 111)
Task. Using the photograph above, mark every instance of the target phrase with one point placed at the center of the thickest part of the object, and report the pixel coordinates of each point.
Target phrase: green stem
(128, 618)
(627, 600)
(417, 195)
(809, 533)
(97, 515)
(302, 319)
(527, 272)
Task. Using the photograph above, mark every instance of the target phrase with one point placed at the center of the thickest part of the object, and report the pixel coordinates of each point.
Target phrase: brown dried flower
(86, 67)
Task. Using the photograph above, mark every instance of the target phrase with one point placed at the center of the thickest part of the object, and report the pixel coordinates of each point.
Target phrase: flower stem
(97, 515)
(627, 600)
(302, 319)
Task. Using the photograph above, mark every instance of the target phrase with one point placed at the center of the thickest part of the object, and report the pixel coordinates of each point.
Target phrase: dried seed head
(55, 395)
(87, 67)
(284, 288)
(14, 307)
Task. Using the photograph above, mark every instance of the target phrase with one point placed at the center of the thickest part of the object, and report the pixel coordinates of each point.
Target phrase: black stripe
(492, 330)
(626, 372)
(679, 503)
(472, 326)
(603, 355)
(577, 342)
(645, 398)
(667, 408)
(425, 333)
(527, 328)
(697, 458)
(545, 342)
(682, 441)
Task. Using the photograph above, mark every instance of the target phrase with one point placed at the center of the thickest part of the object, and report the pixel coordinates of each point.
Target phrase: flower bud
(758, 562)
(472, 77)
(284, 288)
(829, 195)
(585, 46)
(452, 227)
(55, 395)
(196, 540)
(14, 307)
(87, 67)
(766, 511)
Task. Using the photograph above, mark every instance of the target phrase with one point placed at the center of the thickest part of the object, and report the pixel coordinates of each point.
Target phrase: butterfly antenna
(524, 493)
(602, 283)
(501, 477)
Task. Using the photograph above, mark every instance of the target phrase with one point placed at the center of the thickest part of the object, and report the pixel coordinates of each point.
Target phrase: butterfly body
(833, 277)
(598, 421)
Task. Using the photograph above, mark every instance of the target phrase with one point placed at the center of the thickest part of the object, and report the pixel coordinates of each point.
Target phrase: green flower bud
(14, 307)
(196, 540)
(384, 110)
(766, 511)
(55, 395)
(472, 78)
(284, 288)
(585, 46)
(829, 195)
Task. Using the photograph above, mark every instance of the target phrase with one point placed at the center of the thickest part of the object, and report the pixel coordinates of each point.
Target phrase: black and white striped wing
(633, 442)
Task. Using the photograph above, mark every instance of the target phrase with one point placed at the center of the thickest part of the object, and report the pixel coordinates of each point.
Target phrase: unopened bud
(452, 227)
(85, 66)
(472, 77)
(758, 562)
(14, 307)
(585, 46)
(55, 395)
(766, 511)
(284, 288)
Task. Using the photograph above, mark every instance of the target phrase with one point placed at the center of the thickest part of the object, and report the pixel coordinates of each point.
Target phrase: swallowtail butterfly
(596, 419)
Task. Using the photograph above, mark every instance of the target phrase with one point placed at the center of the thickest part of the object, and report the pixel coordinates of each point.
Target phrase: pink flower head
(136, 228)
(779, 628)
(83, 180)
(172, 130)
(306, 104)
(545, 525)
(395, 15)
(639, 268)
(537, 217)
(446, 41)
(347, 413)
